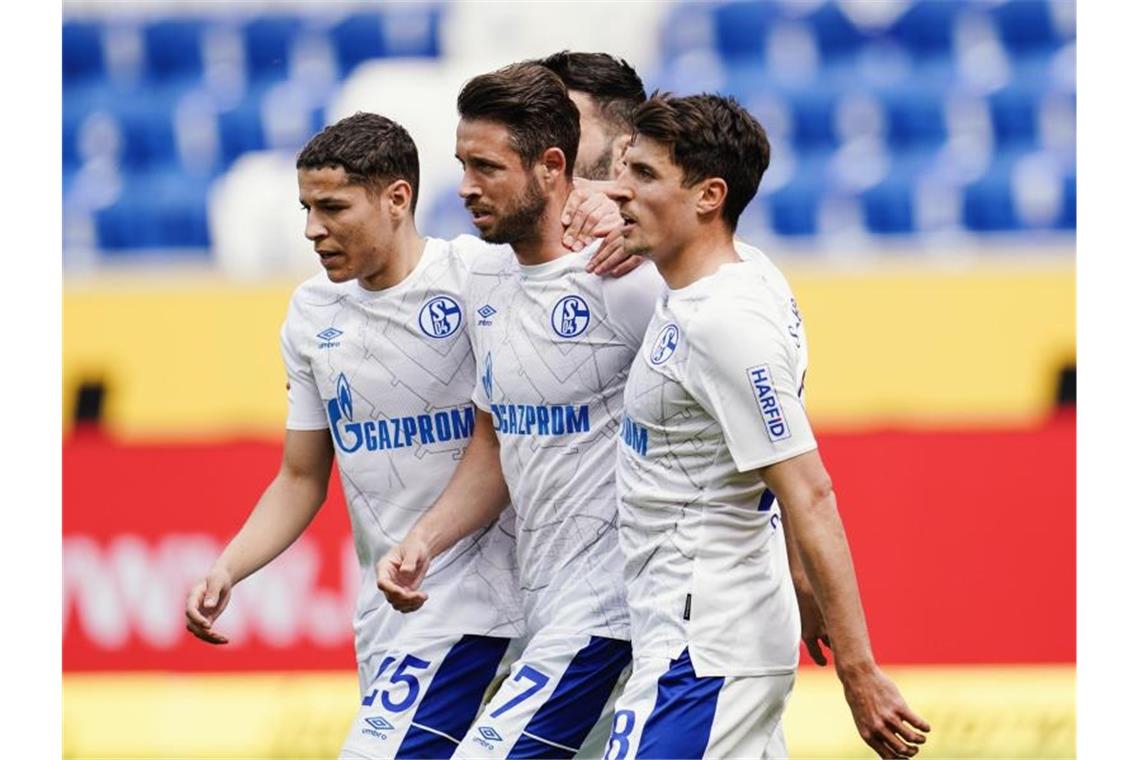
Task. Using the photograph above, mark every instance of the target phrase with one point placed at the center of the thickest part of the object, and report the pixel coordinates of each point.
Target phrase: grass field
(995, 712)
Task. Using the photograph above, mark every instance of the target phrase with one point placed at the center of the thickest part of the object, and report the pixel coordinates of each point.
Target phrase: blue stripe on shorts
(453, 699)
(681, 721)
(574, 707)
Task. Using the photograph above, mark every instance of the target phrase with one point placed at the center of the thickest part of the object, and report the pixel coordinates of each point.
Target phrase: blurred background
(921, 200)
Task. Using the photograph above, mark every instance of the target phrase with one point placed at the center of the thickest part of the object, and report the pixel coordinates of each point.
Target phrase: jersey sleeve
(746, 375)
(630, 301)
(306, 410)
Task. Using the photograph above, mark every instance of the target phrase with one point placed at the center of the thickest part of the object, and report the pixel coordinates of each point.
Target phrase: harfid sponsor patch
(765, 391)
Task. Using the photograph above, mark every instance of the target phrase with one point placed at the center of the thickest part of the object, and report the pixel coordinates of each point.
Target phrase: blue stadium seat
(813, 117)
(1068, 217)
(1013, 110)
(926, 29)
(888, 206)
(268, 44)
(915, 116)
(988, 202)
(358, 38)
(837, 38)
(82, 52)
(1025, 26)
(156, 210)
(148, 130)
(172, 50)
(240, 130)
(741, 29)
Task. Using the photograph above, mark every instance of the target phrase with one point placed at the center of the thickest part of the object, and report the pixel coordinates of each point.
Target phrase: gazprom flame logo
(340, 408)
(570, 316)
(488, 378)
(440, 317)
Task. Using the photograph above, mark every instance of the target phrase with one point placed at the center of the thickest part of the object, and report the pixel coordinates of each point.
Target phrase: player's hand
(589, 214)
(400, 572)
(206, 602)
(882, 716)
(813, 629)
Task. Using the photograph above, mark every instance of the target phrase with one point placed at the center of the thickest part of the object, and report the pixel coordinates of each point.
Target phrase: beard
(518, 220)
(602, 167)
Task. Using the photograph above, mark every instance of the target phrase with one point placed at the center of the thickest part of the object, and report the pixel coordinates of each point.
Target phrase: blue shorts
(424, 695)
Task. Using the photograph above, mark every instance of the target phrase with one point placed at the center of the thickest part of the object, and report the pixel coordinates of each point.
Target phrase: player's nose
(314, 230)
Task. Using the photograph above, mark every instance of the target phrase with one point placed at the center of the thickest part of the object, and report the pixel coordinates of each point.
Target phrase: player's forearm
(282, 513)
(822, 546)
(474, 497)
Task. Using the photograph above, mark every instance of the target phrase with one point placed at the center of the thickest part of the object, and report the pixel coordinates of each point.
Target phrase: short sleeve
(630, 301)
(306, 410)
(745, 374)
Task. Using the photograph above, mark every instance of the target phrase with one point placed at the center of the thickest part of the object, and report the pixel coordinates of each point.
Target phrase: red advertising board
(964, 543)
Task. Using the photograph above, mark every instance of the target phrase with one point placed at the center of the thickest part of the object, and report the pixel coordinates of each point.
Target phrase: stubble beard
(520, 220)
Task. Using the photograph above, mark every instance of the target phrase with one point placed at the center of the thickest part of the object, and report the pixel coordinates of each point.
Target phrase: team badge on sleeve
(665, 344)
(765, 392)
(440, 317)
(570, 316)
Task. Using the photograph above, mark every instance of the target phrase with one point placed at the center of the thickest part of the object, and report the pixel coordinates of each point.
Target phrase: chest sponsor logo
(570, 317)
(329, 338)
(635, 436)
(545, 420)
(765, 392)
(440, 317)
(665, 344)
(385, 433)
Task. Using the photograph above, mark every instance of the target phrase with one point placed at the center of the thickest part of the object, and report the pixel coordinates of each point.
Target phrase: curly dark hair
(373, 150)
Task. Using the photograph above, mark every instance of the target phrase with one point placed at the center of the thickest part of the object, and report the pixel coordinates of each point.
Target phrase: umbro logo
(485, 313)
(328, 338)
(489, 733)
(379, 723)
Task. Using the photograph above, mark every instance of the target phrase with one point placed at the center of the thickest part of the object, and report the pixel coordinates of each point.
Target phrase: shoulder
(742, 301)
(480, 257)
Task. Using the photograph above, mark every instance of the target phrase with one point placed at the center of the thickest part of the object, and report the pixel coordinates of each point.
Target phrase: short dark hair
(709, 136)
(373, 150)
(610, 81)
(532, 103)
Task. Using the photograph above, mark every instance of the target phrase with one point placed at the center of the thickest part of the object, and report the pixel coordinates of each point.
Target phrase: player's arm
(813, 630)
(285, 508)
(474, 497)
(804, 490)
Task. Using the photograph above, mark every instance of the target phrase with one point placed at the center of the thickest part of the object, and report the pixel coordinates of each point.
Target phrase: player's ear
(552, 164)
(399, 195)
(711, 195)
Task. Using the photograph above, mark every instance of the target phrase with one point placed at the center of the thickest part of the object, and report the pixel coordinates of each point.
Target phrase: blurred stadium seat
(213, 86)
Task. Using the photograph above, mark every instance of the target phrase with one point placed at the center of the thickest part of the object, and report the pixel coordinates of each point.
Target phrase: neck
(409, 247)
(545, 241)
(702, 255)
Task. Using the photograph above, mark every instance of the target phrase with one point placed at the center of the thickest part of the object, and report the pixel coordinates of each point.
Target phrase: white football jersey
(553, 344)
(714, 394)
(389, 373)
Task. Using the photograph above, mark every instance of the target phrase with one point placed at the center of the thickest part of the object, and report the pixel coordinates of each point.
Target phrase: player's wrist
(854, 669)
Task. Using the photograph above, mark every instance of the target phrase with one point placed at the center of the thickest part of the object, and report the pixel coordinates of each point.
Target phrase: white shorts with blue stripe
(667, 711)
(423, 695)
(557, 701)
